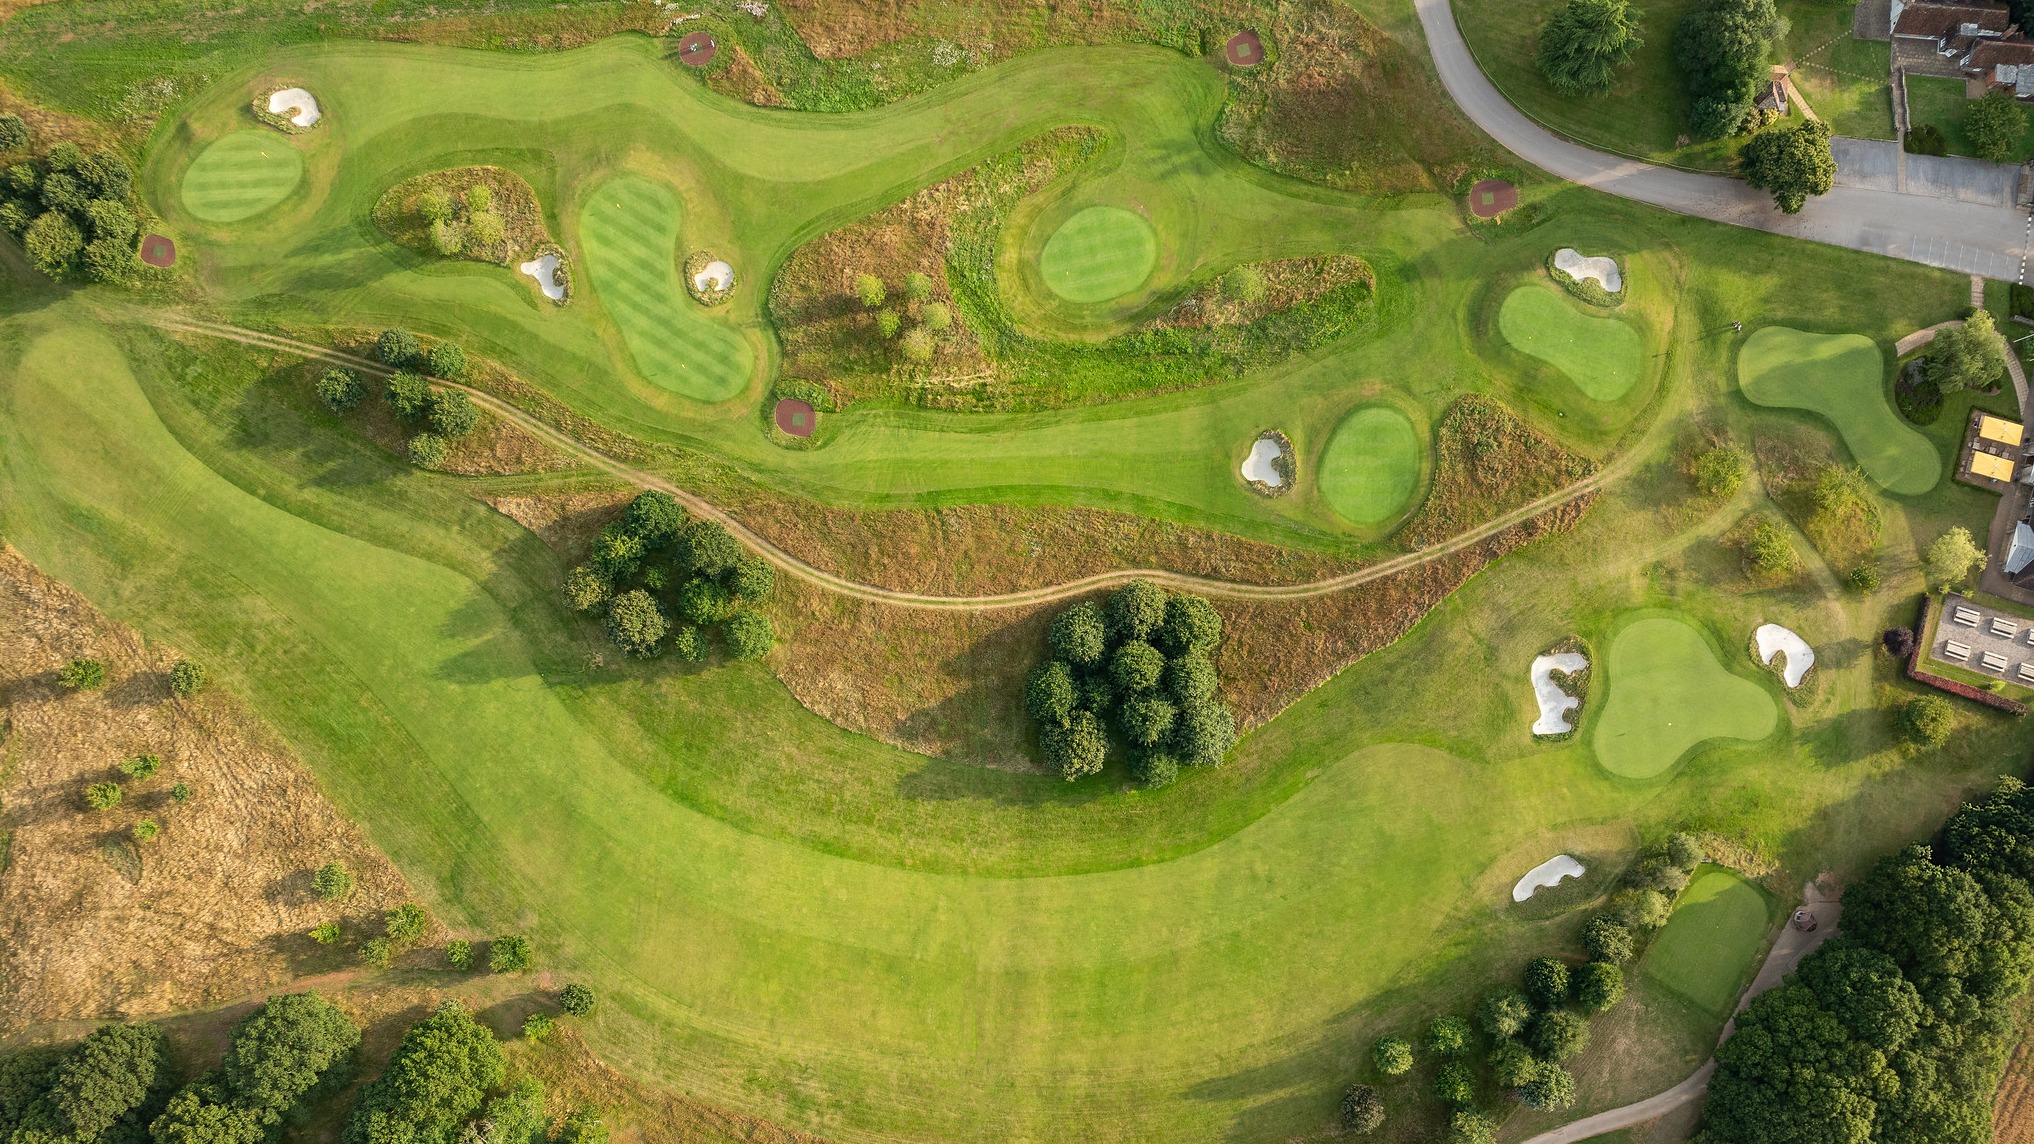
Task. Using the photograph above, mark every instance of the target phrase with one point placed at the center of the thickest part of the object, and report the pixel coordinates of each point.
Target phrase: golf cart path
(1974, 238)
(1788, 949)
(795, 566)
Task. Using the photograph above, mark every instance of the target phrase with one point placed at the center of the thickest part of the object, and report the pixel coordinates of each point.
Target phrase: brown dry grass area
(1790, 463)
(741, 79)
(567, 522)
(514, 203)
(1288, 283)
(494, 448)
(836, 29)
(47, 127)
(540, 31)
(218, 905)
(2013, 1104)
(1487, 463)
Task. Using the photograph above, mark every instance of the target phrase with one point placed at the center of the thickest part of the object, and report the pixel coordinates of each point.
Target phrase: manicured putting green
(630, 231)
(1602, 356)
(241, 176)
(1371, 465)
(1667, 694)
(1841, 377)
(1705, 953)
(1099, 254)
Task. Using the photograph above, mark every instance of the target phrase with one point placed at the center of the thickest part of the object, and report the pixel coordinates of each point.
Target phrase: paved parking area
(1986, 641)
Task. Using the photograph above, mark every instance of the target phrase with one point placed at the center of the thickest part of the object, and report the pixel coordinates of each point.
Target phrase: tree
(1076, 748)
(1792, 161)
(340, 389)
(437, 1078)
(396, 347)
(294, 1045)
(586, 589)
(1147, 720)
(453, 414)
(517, 1115)
(1203, 733)
(869, 289)
(1135, 611)
(917, 344)
(434, 207)
(751, 578)
(1934, 922)
(1552, 1087)
(201, 1114)
(459, 954)
(1996, 833)
(1970, 356)
(749, 634)
(583, 1126)
(144, 830)
(1466, 1127)
(576, 1000)
(1155, 768)
(486, 229)
(1863, 988)
(408, 395)
(508, 954)
(24, 1076)
(1136, 666)
(53, 243)
(141, 767)
(1557, 1035)
(1392, 1056)
(1504, 1014)
(708, 548)
(446, 360)
(1994, 125)
(1191, 626)
(689, 643)
(1190, 679)
(332, 881)
(1643, 909)
(110, 1076)
(1454, 1084)
(111, 219)
(1078, 634)
(1598, 986)
(617, 552)
(1951, 558)
(102, 796)
(326, 933)
(1049, 693)
(1512, 1065)
(81, 675)
(405, 925)
(110, 260)
(636, 623)
(1448, 1036)
(1362, 1109)
(13, 132)
(1546, 982)
(655, 518)
(703, 602)
(428, 450)
(1583, 45)
(1607, 939)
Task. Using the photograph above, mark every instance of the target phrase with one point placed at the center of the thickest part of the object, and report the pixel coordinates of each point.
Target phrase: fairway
(241, 176)
(1705, 953)
(1099, 254)
(1602, 356)
(1841, 377)
(1372, 465)
(630, 229)
(1668, 694)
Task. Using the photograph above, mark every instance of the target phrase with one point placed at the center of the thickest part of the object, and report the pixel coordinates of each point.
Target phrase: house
(1972, 41)
(1773, 99)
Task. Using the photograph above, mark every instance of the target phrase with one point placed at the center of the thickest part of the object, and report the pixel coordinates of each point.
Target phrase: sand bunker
(1554, 702)
(298, 105)
(714, 277)
(1259, 466)
(1570, 261)
(1547, 874)
(1773, 638)
(545, 270)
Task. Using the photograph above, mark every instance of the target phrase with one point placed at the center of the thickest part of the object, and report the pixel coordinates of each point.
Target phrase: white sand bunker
(1261, 464)
(545, 270)
(1554, 702)
(1800, 657)
(297, 105)
(1570, 261)
(1546, 875)
(714, 277)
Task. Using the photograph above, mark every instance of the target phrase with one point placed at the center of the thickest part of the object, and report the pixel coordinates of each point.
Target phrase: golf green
(1371, 465)
(1668, 694)
(630, 230)
(241, 175)
(1099, 254)
(1705, 952)
(1602, 356)
(1841, 377)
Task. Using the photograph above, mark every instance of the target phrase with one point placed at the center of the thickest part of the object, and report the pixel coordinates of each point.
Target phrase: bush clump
(657, 573)
(187, 678)
(74, 213)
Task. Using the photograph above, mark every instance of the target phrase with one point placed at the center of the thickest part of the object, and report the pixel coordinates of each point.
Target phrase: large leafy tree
(1791, 161)
(1970, 356)
(1584, 43)
(1722, 50)
(1994, 125)
(287, 1048)
(437, 1079)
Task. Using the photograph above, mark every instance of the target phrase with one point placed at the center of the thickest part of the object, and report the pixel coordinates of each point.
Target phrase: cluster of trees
(1792, 161)
(1530, 1032)
(656, 561)
(448, 1081)
(1969, 356)
(1139, 665)
(1994, 125)
(921, 322)
(1584, 43)
(73, 212)
(106, 1089)
(404, 927)
(1896, 1030)
(287, 1054)
(441, 414)
(1722, 47)
(466, 222)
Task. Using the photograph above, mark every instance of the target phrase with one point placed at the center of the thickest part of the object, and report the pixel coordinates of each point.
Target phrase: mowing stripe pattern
(241, 176)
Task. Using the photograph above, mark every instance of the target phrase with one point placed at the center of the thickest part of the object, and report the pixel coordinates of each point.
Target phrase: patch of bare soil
(94, 924)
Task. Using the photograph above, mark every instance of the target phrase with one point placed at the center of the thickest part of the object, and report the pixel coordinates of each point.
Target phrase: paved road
(1973, 238)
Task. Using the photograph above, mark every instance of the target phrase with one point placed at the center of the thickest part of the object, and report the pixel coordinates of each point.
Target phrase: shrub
(102, 796)
(1552, 1088)
(1926, 139)
(1970, 356)
(406, 924)
(479, 198)
(1136, 666)
(1598, 986)
(1190, 680)
(459, 954)
(486, 228)
(434, 207)
(1392, 1056)
(1546, 982)
(1466, 1127)
(869, 289)
(917, 344)
(1721, 471)
(377, 952)
(1243, 283)
(1049, 694)
(447, 239)
(145, 830)
(708, 548)
(428, 450)
(1512, 1066)
(1362, 1109)
(1076, 749)
(509, 954)
(1863, 579)
(1078, 633)
(917, 287)
(82, 674)
(332, 881)
(888, 323)
(1155, 768)
(586, 589)
(446, 360)
(1994, 125)
(1927, 720)
(1643, 909)
(13, 132)
(576, 1000)
(291, 1047)
(584, 1126)
(1454, 1084)
(1557, 1035)
(636, 623)
(408, 395)
(180, 793)
(749, 634)
(1606, 939)
(537, 1026)
(688, 643)
(1505, 1014)
(141, 766)
(1448, 1036)
(1135, 611)
(15, 216)
(1147, 720)
(703, 602)
(396, 347)
(326, 933)
(1684, 850)
(752, 578)
(340, 389)
(438, 1077)
(1792, 161)
(1769, 549)
(453, 414)
(938, 317)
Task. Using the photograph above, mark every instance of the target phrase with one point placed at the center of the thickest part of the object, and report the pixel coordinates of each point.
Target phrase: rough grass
(1940, 101)
(1371, 466)
(1603, 356)
(1843, 79)
(242, 175)
(1842, 378)
(514, 203)
(1668, 695)
(1709, 948)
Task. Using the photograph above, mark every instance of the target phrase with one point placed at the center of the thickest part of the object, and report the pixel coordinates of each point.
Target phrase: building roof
(1998, 428)
(1983, 464)
(1933, 21)
(2021, 554)
(1994, 55)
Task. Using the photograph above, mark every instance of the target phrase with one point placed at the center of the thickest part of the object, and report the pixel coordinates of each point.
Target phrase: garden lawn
(1940, 101)
(1707, 951)
(1668, 695)
(1841, 377)
(1601, 355)
(241, 175)
(1843, 78)
(630, 228)
(1371, 465)
(1100, 253)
